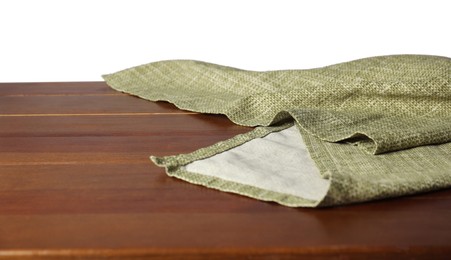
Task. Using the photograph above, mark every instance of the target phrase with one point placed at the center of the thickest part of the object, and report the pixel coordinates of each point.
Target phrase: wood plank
(213, 230)
(56, 88)
(174, 198)
(78, 177)
(222, 230)
(233, 253)
(85, 104)
(95, 150)
(162, 144)
(117, 125)
(301, 233)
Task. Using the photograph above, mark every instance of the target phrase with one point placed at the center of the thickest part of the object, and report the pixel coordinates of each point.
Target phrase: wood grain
(76, 182)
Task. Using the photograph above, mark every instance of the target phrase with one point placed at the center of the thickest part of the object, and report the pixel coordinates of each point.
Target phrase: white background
(61, 40)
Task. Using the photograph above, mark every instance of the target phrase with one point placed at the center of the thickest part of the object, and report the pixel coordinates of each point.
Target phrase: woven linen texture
(362, 120)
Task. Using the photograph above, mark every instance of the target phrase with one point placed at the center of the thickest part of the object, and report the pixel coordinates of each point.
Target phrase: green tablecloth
(375, 128)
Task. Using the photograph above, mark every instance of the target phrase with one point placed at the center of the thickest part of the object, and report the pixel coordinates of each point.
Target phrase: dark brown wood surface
(76, 181)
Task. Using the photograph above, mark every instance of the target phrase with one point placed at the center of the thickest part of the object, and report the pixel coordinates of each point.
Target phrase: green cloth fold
(368, 124)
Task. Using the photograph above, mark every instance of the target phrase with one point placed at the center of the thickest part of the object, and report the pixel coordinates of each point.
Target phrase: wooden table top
(76, 181)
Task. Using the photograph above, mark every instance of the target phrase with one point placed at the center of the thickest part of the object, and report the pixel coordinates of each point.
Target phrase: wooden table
(76, 181)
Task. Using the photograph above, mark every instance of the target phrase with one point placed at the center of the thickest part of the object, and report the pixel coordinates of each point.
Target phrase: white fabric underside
(278, 162)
